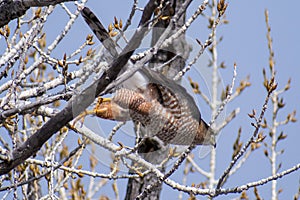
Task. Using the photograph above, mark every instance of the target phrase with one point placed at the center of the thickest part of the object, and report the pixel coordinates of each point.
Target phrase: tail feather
(99, 30)
(205, 135)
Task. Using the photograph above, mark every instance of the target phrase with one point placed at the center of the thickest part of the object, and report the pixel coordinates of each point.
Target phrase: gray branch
(11, 9)
(81, 101)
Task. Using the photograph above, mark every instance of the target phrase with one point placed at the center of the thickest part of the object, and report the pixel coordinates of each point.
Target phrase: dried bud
(185, 171)
(60, 63)
(265, 124)
(271, 134)
(225, 21)
(194, 85)
(165, 18)
(116, 23)
(243, 84)
(266, 153)
(291, 117)
(273, 87)
(260, 137)
(288, 85)
(7, 31)
(244, 195)
(113, 33)
(121, 24)
(255, 146)
(93, 162)
(90, 42)
(89, 39)
(281, 136)
(110, 28)
(220, 4)
(252, 115)
(79, 142)
(38, 12)
(280, 104)
(171, 152)
(222, 65)
(13, 72)
(221, 7)
(42, 41)
(80, 175)
(31, 79)
(26, 60)
(56, 104)
(115, 188)
(79, 61)
(89, 52)
(271, 63)
(65, 59)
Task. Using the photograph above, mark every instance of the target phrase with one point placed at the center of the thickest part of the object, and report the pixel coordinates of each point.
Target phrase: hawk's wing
(168, 92)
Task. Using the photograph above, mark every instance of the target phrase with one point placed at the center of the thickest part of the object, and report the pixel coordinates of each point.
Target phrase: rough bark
(12, 9)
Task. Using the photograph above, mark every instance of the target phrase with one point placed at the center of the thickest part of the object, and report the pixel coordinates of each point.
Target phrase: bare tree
(44, 102)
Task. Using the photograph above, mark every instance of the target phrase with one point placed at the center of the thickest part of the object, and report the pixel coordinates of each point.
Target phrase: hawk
(163, 107)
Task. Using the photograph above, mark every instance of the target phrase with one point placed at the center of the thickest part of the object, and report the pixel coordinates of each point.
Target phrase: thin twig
(245, 147)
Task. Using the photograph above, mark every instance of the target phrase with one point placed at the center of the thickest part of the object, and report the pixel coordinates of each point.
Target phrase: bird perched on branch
(162, 107)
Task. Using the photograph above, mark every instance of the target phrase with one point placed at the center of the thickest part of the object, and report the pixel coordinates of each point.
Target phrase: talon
(106, 109)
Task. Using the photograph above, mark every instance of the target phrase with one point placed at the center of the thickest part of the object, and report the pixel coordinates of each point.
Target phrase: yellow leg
(100, 110)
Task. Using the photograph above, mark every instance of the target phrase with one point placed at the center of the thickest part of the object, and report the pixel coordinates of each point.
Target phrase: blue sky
(245, 43)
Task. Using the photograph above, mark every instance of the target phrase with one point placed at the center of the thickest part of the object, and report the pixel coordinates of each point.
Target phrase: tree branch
(80, 102)
(11, 9)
